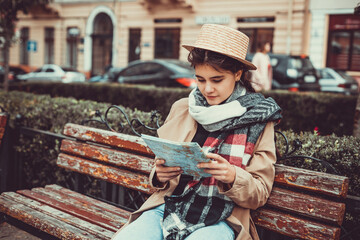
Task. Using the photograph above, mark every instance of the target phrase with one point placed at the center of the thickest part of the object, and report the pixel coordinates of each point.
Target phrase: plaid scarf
(233, 135)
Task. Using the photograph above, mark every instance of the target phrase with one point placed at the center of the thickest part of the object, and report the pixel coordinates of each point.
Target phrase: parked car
(337, 81)
(158, 72)
(293, 73)
(108, 76)
(52, 72)
(14, 72)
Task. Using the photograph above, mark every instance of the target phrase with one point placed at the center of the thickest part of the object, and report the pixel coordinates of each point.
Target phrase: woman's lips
(211, 97)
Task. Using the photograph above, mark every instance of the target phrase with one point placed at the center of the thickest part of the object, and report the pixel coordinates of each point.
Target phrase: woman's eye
(218, 80)
(201, 80)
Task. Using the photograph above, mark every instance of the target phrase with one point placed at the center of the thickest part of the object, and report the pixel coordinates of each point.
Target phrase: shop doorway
(102, 39)
(167, 42)
(134, 44)
(258, 36)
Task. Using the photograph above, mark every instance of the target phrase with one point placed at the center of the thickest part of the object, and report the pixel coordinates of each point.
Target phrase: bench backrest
(3, 121)
(303, 203)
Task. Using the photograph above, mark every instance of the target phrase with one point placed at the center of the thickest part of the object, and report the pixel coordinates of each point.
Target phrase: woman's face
(215, 86)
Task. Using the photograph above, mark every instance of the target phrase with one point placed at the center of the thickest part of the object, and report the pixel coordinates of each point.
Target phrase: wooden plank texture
(3, 119)
(81, 210)
(83, 199)
(307, 205)
(48, 219)
(319, 182)
(107, 155)
(2, 131)
(119, 140)
(137, 181)
(294, 227)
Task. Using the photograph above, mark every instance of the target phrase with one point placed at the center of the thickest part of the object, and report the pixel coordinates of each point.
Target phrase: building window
(72, 38)
(24, 38)
(258, 36)
(134, 44)
(167, 41)
(344, 43)
(49, 45)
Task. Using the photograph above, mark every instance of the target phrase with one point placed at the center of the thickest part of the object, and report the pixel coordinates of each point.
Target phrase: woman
(262, 76)
(235, 125)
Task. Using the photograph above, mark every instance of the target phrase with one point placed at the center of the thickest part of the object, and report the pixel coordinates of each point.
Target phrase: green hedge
(47, 113)
(302, 111)
(44, 112)
(143, 97)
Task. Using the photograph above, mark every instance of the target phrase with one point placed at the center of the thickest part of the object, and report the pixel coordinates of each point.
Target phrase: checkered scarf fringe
(201, 204)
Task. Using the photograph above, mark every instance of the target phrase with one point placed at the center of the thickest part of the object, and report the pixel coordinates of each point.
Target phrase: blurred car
(55, 73)
(337, 81)
(108, 76)
(293, 73)
(158, 72)
(14, 72)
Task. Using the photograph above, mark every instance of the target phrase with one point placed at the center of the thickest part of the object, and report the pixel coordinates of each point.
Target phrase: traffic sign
(31, 46)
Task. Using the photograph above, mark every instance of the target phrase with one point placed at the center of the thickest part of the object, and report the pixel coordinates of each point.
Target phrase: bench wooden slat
(107, 155)
(83, 199)
(3, 119)
(137, 181)
(119, 140)
(72, 207)
(48, 219)
(293, 226)
(307, 205)
(115, 217)
(319, 182)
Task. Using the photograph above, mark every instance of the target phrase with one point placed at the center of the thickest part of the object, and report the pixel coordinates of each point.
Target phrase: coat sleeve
(253, 185)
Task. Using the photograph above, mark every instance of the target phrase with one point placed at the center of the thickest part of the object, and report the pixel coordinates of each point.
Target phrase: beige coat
(251, 188)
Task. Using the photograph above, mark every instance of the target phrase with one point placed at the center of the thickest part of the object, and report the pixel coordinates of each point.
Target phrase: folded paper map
(178, 154)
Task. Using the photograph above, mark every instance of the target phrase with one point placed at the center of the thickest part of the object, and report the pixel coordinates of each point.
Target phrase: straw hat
(224, 40)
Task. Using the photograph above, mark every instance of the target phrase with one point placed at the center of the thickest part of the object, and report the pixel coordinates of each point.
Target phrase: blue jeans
(147, 226)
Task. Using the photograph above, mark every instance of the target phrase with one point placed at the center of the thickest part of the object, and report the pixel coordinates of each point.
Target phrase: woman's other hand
(219, 168)
(164, 173)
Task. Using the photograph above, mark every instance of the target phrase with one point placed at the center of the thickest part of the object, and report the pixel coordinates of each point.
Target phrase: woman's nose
(209, 88)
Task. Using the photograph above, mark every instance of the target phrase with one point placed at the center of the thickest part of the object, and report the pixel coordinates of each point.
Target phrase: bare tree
(8, 16)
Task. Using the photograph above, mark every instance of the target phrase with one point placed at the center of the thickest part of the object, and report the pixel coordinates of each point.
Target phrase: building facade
(90, 35)
(335, 35)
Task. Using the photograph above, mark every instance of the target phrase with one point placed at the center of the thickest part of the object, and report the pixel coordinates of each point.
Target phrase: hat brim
(248, 64)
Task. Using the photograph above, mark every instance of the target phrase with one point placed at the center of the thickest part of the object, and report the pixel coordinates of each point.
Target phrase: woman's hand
(220, 169)
(163, 173)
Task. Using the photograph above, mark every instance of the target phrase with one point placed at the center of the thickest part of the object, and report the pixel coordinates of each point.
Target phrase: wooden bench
(303, 204)
(3, 151)
(3, 123)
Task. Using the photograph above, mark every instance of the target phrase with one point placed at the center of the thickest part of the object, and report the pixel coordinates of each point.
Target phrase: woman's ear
(238, 75)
